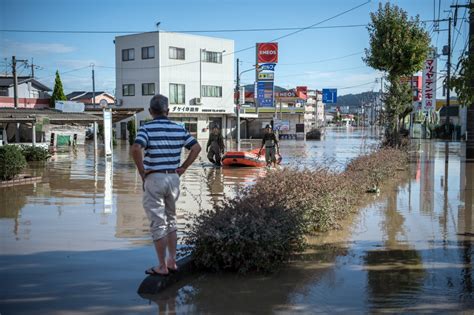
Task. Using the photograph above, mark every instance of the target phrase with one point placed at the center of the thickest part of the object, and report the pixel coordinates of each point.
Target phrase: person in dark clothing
(215, 146)
(271, 146)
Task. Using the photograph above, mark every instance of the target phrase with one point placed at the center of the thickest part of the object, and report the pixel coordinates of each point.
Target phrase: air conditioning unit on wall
(197, 101)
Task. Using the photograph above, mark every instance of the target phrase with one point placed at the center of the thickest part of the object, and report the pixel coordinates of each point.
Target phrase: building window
(177, 92)
(148, 89)
(211, 91)
(189, 123)
(128, 89)
(148, 52)
(128, 54)
(177, 53)
(3, 90)
(211, 56)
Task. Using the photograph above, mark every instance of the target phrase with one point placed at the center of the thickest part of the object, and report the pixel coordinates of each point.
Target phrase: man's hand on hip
(180, 171)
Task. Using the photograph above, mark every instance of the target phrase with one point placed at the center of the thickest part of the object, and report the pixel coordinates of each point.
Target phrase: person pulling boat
(271, 146)
(215, 146)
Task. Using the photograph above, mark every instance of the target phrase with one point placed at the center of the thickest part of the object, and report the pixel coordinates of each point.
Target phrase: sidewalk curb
(154, 284)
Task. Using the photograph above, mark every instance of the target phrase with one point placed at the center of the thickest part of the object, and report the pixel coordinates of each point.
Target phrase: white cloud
(22, 48)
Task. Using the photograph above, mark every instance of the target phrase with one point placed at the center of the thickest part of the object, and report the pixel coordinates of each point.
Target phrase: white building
(314, 110)
(194, 72)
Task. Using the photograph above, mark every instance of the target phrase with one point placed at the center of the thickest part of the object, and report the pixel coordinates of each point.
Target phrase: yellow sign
(266, 76)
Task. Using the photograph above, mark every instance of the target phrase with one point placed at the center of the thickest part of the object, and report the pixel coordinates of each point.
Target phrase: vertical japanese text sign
(429, 83)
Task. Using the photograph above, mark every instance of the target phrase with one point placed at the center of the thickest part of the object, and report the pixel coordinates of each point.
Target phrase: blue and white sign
(329, 96)
(265, 93)
(267, 66)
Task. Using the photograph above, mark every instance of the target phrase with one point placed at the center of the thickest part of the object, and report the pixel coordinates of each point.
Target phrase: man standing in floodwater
(162, 141)
(215, 146)
(271, 146)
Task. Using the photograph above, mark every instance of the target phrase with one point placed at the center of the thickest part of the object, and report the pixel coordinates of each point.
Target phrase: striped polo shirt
(163, 140)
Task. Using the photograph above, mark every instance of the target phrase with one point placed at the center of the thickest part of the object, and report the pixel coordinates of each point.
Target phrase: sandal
(153, 272)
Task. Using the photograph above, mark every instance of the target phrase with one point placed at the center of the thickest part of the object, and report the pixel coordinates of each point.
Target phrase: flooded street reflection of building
(408, 250)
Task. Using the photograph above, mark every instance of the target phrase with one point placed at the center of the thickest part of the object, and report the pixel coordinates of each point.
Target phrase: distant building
(314, 110)
(196, 73)
(31, 93)
(88, 99)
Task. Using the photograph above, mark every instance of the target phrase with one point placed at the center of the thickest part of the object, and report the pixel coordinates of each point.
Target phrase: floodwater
(77, 242)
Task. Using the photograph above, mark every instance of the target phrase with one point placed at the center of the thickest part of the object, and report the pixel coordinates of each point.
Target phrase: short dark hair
(159, 104)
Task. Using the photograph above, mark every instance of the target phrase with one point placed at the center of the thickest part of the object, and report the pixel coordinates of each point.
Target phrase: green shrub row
(13, 159)
(265, 224)
(35, 153)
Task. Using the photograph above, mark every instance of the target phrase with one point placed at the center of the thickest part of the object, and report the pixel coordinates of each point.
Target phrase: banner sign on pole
(266, 76)
(330, 96)
(267, 66)
(265, 93)
(108, 132)
(429, 83)
(242, 95)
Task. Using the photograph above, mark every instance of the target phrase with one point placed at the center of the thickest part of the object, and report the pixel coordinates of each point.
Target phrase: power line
(182, 31)
(323, 60)
(189, 31)
(249, 47)
(354, 86)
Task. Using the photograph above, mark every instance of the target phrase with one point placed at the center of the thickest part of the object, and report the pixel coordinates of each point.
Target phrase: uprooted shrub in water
(260, 229)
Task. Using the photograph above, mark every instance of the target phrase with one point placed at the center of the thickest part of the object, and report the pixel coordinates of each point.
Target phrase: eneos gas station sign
(267, 52)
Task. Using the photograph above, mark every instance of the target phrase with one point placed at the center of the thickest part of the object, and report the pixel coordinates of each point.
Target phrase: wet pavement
(78, 242)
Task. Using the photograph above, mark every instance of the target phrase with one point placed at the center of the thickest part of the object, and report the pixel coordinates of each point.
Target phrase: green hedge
(12, 161)
(35, 153)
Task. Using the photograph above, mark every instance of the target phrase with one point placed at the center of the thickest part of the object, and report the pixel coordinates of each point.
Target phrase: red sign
(302, 92)
(267, 52)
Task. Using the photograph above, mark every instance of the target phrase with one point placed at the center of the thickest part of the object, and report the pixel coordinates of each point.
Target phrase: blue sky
(311, 57)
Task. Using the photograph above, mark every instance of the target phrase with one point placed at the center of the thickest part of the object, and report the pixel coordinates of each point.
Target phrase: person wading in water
(215, 146)
(271, 143)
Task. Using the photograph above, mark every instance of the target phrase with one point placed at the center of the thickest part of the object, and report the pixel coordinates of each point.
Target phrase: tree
(58, 92)
(398, 46)
(462, 83)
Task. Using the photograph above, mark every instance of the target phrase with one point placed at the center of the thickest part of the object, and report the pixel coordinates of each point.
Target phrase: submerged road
(78, 242)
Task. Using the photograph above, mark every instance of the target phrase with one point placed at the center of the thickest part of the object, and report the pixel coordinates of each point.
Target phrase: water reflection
(409, 251)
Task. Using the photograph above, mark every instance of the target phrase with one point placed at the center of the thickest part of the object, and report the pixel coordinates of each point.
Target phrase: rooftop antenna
(158, 26)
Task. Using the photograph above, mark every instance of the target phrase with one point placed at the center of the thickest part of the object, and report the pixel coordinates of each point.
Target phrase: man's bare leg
(160, 247)
(172, 244)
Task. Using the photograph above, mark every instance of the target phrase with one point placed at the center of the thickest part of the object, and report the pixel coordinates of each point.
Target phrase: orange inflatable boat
(246, 158)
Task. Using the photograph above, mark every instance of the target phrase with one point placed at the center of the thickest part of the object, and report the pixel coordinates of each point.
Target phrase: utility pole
(32, 69)
(448, 79)
(15, 82)
(93, 86)
(237, 102)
